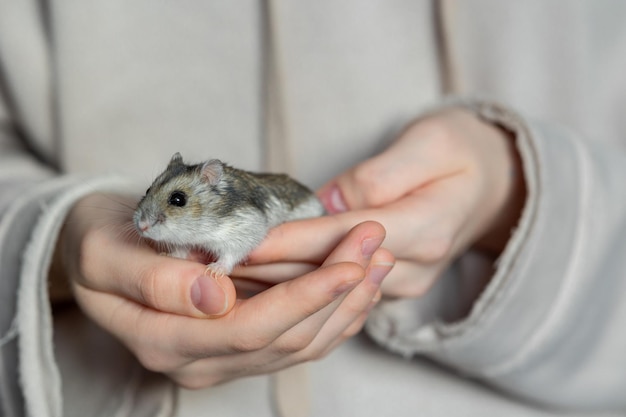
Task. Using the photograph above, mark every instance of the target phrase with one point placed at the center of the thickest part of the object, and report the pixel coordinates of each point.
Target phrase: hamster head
(179, 202)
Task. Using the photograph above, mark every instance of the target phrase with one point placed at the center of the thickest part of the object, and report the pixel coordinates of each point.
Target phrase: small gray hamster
(219, 209)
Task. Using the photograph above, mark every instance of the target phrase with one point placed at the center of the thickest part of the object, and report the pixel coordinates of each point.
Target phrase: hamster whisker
(127, 232)
(122, 210)
(121, 202)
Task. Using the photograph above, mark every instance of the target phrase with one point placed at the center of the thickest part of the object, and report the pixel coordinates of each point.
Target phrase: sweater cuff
(31, 226)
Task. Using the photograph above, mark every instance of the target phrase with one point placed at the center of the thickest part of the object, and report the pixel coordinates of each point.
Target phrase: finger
(272, 273)
(250, 326)
(348, 313)
(355, 327)
(311, 240)
(369, 235)
(357, 247)
(316, 249)
(292, 346)
(263, 318)
(409, 279)
(428, 226)
(215, 370)
(160, 282)
(288, 349)
(357, 302)
(164, 342)
(420, 155)
(288, 306)
(307, 340)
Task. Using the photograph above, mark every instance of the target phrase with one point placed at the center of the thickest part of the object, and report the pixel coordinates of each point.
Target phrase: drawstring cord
(444, 11)
(289, 387)
(278, 155)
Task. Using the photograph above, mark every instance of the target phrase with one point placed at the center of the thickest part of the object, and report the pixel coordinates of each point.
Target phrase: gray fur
(228, 211)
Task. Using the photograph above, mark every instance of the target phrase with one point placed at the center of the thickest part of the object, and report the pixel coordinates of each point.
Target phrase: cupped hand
(166, 310)
(450, 181)
(102, 252)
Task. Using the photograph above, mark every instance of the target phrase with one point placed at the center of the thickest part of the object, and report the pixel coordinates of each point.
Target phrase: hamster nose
(143, 226)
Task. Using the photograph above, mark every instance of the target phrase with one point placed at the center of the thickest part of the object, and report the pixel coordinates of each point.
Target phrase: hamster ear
(176, 160)
(212, 171)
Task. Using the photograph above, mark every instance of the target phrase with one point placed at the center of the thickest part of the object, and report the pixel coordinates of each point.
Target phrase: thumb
(373, 183)
(420, 155)
(362, 186)
(162, 283)
(102, 255)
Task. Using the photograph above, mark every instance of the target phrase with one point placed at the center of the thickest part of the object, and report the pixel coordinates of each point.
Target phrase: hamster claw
(215, 270)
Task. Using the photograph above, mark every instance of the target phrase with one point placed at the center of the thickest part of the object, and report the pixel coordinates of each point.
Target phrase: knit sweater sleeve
(549, 326)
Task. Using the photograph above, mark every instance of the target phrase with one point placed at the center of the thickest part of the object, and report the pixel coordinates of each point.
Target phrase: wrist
(495, 238)
(59, 289)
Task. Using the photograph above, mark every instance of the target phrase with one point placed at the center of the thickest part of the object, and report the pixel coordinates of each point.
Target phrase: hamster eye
(178, 199)
(148, 190)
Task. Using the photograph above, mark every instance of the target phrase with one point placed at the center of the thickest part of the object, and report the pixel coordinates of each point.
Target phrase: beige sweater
(89, 89)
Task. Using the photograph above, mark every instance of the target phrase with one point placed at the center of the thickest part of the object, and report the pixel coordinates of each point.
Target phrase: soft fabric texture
(89, 89)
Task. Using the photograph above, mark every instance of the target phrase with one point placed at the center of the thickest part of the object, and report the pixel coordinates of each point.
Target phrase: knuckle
(293, 344)
(435, 242)
(370, 182)
(316, 352)
(147, 287)
(244, 342)
(154, 361)
(441, 135)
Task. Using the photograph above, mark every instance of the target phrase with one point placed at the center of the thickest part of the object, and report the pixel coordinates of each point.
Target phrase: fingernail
(208, 296)
(333, 201)
(369, 246)
(377, 272)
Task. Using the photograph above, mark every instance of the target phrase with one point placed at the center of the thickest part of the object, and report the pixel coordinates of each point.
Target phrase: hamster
(219, 209)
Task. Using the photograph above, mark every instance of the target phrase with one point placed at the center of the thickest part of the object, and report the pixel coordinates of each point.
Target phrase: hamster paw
(215, 270)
